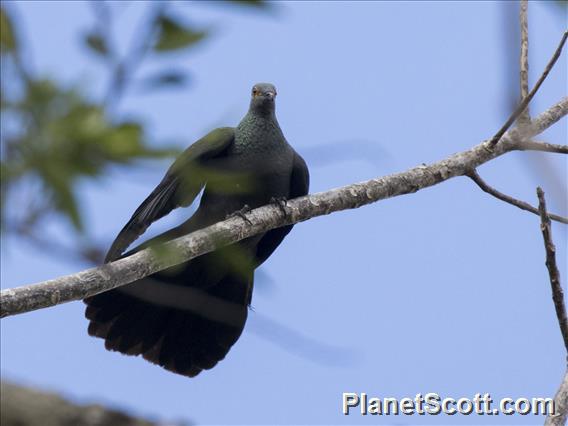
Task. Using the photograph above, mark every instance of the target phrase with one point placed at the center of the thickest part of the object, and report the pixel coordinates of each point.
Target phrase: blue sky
(440, 291)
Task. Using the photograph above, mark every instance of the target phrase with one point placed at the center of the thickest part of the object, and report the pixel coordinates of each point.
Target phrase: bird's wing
(179, 187)
(299, 186)
(300, 178)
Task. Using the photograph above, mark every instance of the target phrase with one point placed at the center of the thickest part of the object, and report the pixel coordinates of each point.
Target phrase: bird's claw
(241, 213)
(282, 203)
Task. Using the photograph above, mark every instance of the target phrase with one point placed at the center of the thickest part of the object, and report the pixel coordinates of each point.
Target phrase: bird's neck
(262, 112)
(262, 118)
(261, 129)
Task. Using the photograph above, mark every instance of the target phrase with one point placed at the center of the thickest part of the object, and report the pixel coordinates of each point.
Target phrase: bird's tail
(183, 329)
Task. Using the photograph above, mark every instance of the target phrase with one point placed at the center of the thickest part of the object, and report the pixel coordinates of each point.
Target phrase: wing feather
(179, 187)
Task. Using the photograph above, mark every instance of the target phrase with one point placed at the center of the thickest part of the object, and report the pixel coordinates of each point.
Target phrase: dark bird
(186, 318)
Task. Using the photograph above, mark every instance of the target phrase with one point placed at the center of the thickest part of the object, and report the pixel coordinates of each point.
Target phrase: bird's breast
(256, 169)
(267, 171)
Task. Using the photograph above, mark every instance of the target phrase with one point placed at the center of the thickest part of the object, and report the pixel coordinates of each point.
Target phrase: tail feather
(136, 319)
(180, 340)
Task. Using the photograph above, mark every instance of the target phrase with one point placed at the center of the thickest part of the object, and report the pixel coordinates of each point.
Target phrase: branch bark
(561, 397)
(525, 101)
(524, 117)
(511, 200)
(560, 405)
(554, 274)
(543, 146)
(24, 406)
(146, 262)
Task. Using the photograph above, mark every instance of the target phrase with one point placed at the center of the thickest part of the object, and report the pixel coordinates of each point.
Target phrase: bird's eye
(254, 90)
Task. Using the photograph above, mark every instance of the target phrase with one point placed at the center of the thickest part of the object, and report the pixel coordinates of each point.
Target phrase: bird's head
(262, 98)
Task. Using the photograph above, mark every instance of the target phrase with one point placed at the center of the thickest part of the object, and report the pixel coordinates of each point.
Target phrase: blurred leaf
(65, 138)
(164, 254)
(171, 78)
(218, 181)
(124, 142)
(62, 193)
(174, 35)
(260, 4)
(234, 258)
(7, 37)
(97, 44)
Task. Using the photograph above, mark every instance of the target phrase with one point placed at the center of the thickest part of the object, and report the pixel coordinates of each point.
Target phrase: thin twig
(508, 199)
(86, 254)
(524, 117)
(542, 146)
(557, 293)
(528, 98)
(104, 25)
(146, 262)
(125, 68)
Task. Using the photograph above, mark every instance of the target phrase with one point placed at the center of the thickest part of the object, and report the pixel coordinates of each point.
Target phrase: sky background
(444, 290)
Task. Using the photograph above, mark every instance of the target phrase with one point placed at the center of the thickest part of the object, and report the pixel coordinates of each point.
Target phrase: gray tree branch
(525, 101)
(561, 397)
(524, 117)
(146, 262)
(554, 274)
(560, 405)
(543, 146)
(510, 200)
(25, 406)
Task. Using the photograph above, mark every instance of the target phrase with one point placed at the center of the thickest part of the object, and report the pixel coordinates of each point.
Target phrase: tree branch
(524, 117)
(561, 397)
(542, 146)
(146, 262)
(557, 293)
(548, 118)
(508, 199)
(560, 405)
(26, 406)
(497, 137)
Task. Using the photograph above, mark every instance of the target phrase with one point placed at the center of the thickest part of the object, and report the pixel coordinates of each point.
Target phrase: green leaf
(7, 36)
(124, 142)
(66, 139)
(175, 35)
(171, 78)
(97, 44)
(62, 192)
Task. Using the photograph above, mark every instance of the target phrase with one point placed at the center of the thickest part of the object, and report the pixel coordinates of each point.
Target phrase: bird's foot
(282, 204)
(241, 213)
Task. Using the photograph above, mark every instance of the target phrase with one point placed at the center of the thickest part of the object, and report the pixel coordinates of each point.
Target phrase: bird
(186, 318)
